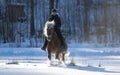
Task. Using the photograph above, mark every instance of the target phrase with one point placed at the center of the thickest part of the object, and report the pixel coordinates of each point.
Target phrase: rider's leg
(45, 44)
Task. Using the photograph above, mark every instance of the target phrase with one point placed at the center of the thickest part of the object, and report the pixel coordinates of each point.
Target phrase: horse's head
(49, 29)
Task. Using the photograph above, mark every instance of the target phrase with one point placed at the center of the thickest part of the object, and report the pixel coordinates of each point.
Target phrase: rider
(54, 16)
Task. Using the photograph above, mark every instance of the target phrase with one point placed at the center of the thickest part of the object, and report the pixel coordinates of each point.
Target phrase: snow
(87, 60)
(44, 69)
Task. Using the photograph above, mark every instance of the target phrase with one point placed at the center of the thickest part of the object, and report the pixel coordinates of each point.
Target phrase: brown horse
(54, 44)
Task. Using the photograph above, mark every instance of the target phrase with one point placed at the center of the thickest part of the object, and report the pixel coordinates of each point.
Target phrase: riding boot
(45, 45)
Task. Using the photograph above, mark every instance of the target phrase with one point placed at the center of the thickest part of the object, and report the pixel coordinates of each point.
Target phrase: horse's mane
(48, 24)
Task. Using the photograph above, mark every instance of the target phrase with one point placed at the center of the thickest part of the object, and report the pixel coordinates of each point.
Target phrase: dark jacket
(57, 20)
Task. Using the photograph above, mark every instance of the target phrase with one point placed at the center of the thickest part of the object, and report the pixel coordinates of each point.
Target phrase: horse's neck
(55, 36)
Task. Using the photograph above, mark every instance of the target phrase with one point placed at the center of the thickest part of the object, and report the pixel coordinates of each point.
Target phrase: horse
(54, 43)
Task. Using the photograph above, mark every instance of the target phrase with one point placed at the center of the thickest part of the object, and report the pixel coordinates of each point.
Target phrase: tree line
(89, 21)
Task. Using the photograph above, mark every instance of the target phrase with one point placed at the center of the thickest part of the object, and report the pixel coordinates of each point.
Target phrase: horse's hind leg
(63, 57)
(49, 55)
(57, 56)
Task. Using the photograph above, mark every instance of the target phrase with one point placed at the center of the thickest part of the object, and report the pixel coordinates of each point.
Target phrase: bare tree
(51, 5)
(57, 1)
(32, 28)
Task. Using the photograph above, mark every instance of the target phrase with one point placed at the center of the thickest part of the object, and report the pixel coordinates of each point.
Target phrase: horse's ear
(53, 22)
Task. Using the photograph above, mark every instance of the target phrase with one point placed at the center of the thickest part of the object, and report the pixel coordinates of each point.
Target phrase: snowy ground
(33, 61)
(44, 69)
